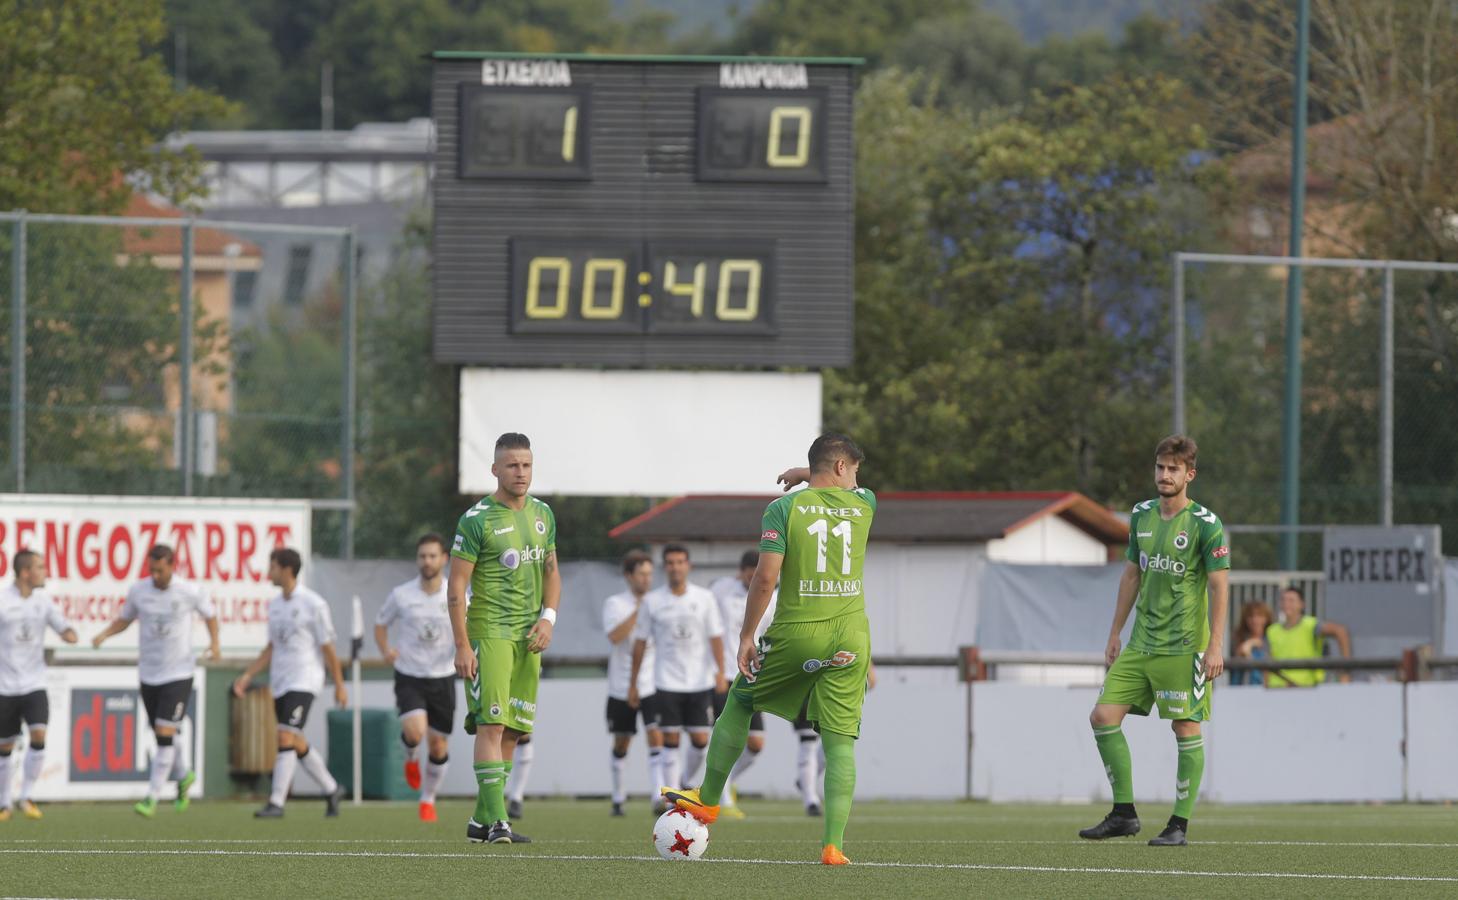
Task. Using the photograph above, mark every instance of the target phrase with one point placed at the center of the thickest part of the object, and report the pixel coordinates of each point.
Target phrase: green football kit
(817, 651)
(1163, 666)
(509, 549)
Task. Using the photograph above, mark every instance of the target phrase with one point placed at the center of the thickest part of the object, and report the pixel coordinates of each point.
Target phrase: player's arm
(240, 684)
(1128, 592)
(716, 645)
(1219, 587)
(336, 671)
(792, 477)
(382, 640)
(1343, 637)
(59, 625)
(117, 626)
(215, 649)
(625, 627)
(640, 647)
(761, 589)
(461, 571)
(540, 637)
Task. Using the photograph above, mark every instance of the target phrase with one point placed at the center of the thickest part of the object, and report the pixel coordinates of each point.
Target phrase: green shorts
(1176, 684)
(818, 667)
(504, 691)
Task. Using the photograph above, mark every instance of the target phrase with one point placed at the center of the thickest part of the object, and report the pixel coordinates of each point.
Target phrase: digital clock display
(658, 287)
(761, 135)
(524, 132)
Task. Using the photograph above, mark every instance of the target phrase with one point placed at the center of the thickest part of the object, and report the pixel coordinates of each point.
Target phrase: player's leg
(288, 711)
(671, 705)
(516, 777)
(1183, 696)
(622, 722)
(752, 747)
(440, 715)
(410, 705)
(698, 722)
(836, 699)
(162, 756)
(488, 698)
(183, 733)
(311, 760)
(1126, 689)
(9, 737)
(35, 708)
(808, 764)
(649, 712)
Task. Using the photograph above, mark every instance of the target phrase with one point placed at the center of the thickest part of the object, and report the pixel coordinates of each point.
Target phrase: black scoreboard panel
(624, 212)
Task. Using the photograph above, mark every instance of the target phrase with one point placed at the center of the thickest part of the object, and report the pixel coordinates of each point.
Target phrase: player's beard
(1167, 490)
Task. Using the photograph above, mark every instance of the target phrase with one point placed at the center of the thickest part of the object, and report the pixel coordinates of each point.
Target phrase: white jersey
(422, 632)
(615, 611)
(733, 598)
(23, 623)
(164, 647)
(680, 628)
(297, 627)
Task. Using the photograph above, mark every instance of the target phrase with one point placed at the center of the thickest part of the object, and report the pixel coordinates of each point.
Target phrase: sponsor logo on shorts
(1221, 552)
(1172, 695)
(841, 659)
(1176, 709)
(1182, 540)
(523, 705)
(770, 535)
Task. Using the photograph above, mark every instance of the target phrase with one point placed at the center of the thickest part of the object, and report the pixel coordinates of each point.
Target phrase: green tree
(865, 28)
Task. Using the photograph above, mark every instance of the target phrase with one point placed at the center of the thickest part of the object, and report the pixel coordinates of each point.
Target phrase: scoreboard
(620, 211)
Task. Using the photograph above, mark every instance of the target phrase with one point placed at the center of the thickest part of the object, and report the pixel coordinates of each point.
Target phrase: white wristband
(550, 615)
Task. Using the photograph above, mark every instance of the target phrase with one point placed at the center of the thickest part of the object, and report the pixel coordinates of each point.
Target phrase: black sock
(1182, 824)
(1126, 810)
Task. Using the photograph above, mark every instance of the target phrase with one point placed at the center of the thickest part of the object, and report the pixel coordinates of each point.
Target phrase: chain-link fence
(1379, 393)
(112, 386)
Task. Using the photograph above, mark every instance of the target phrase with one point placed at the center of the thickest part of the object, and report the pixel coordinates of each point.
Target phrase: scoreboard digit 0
(639, 211)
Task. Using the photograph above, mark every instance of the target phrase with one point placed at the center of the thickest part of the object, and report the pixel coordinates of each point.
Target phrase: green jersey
(509, 549)
(1175, 559)
(822, 534)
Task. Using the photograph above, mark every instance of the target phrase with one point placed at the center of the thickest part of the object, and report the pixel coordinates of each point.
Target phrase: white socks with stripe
(35, 760)
(619, 766)
(162, 762)
(283, 776)
(670, 768)
(434, 775)
(313, 763)
(521, 770)
(695, 759)
(656, 777)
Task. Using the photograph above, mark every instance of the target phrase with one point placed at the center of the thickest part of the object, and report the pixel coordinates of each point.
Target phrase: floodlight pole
(17, 350)
(1291, 422)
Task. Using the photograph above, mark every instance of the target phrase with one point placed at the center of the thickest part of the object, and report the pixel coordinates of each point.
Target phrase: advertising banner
(96, 548)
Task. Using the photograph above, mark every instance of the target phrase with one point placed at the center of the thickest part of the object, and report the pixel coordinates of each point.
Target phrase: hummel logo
(1146, 534)
(1181, 785)
(508, 529)
(1182, 795)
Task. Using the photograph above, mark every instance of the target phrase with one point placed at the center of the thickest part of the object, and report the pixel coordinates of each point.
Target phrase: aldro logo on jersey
(1160, 563)
(513, 558)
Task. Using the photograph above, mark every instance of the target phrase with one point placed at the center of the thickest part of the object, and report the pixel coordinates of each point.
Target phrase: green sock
(1114, 751)
(1187, 774)
(490, 780)
(731, 733)
(840, 785)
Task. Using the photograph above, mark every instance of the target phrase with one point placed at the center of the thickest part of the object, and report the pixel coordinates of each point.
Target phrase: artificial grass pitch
(899, 849)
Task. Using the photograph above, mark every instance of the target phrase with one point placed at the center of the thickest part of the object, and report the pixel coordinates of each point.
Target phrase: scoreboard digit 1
(643, 211)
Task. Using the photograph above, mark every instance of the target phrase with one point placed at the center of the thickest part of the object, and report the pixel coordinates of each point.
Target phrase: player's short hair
(1181, 447)
(831, 446)
(675, 548)
(513, 441)
(288, 558)
(1291, 588)
(633, 559)
(23, 560)
(750, 559)
(431, 538)
(160, 553)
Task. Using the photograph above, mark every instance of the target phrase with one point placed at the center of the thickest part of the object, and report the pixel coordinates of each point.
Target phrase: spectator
(1299, 636)
(1250, 641)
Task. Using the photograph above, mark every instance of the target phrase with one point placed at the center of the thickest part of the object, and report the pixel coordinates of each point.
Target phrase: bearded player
(1177, 583)
(815, 654)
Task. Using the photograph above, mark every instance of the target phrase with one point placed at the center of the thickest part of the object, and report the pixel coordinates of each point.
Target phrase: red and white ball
(678, 835)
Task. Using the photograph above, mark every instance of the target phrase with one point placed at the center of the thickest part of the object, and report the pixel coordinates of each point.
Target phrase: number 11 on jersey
(822, 531)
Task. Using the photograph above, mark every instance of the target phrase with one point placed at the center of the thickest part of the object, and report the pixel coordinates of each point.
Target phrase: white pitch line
(981, 867)
(979, 842)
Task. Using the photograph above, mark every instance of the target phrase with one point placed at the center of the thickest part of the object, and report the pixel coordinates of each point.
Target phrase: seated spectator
(1250, 641)
(1299, 636)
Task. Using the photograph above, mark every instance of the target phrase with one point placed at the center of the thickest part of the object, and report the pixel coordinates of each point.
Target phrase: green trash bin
(382, 755)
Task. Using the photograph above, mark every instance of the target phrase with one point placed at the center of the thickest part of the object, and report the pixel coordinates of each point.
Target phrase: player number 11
(822, 530)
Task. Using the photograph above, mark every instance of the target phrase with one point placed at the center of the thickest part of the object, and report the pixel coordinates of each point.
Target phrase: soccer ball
(678, 835)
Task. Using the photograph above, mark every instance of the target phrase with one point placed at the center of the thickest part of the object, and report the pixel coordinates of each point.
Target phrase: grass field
(900, 849)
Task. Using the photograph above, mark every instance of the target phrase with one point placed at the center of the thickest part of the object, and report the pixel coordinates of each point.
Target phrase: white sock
(7, 780)
(655, 770)
(746, 759)
(283, 776)
(808, 766)
(670, 768)
(182, 762)
(161, 768)
(521, 770)
(434, 775)
(619, 766)
(694, 759)
(31, 770)
(410, 751)
(313, 763)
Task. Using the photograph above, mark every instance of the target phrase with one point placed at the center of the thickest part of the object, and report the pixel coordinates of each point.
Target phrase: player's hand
(214, 654)
(1214, 663)
(96, 641)
(341, 696)
(240, 685)
(391, 655)
(1111, 652)
(721, 684)
(634, 701)
(540, 636)
(791, 477)
(465, 661)
(749, 659)
(871, 678)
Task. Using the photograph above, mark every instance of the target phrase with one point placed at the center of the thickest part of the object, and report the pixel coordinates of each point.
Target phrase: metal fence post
(184, 443)
(1388, 363)
(17, 349)
(346, 447)
(1179, 344)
